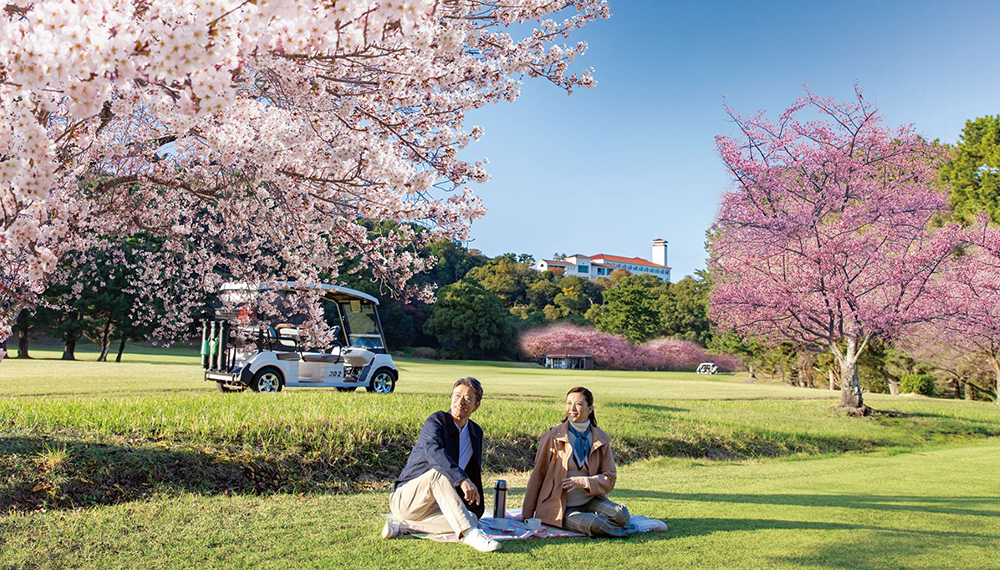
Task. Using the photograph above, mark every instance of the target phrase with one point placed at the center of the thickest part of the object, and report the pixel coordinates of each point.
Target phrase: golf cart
(707, 368)
(238, 353)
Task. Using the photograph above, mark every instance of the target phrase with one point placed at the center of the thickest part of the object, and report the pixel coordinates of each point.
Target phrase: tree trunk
(69, 351)
(833, 386)
(23, 330)
(962, 389)
(70, 337)
(893, 384)
(121, 349)
(996, 368)
(956, 387)
(22, 343)
(850, 390)
(807, 369)
(850, 386)
(105, 342)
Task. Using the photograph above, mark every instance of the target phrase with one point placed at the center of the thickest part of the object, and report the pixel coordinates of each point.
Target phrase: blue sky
(609, 169)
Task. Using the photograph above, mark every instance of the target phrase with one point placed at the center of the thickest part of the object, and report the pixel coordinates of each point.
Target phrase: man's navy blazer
(437, 448)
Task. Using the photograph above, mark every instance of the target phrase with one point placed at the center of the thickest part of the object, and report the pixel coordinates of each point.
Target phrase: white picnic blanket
(516, 529)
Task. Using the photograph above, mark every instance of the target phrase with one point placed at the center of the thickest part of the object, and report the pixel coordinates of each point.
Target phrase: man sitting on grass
(441, 487)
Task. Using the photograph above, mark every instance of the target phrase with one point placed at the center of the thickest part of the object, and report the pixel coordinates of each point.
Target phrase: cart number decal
(335, 373)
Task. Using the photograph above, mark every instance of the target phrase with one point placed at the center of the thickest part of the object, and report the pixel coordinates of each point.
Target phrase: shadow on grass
(49, 473)
(891, 541)
(890, 549)
(646, 408)
(990, 425)
(965, 506)
(680, 528)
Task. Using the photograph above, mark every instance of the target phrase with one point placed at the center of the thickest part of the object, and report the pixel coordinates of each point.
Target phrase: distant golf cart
(275, 356)
(707, 368)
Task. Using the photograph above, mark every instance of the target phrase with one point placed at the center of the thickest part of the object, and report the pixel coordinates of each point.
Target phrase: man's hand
(572, 483)
(470, 492)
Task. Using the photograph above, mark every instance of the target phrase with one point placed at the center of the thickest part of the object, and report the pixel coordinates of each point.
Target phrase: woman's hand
(573, 483)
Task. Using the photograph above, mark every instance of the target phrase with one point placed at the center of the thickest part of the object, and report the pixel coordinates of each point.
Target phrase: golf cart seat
(328, 358)
(292, 356)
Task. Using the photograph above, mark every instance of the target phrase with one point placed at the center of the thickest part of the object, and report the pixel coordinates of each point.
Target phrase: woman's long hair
(587, 395)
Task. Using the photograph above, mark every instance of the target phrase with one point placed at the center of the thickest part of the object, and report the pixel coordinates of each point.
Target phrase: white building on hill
(602, 264)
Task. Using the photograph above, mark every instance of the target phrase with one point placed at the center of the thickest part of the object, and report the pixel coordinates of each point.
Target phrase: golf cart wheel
(226, 389)
(346, 389)
(266, 380)
(383, 382)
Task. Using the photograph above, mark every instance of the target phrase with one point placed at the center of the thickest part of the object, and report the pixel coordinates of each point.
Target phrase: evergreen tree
(973, 173)
(471, 321)
(630, 311)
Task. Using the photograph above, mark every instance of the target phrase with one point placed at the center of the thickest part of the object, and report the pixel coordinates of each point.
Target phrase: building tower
(659, 252)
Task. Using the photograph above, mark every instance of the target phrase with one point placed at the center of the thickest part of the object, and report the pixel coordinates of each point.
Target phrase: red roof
(556, 262)
(635, 260)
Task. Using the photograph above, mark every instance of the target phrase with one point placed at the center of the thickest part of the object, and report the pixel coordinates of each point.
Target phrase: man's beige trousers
(430, 504)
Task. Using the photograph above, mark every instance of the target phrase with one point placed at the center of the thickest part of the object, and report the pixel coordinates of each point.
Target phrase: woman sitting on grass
(575, 498)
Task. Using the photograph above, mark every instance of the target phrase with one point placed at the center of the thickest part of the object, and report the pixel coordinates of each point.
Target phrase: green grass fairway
(749, 476)
(148, 370)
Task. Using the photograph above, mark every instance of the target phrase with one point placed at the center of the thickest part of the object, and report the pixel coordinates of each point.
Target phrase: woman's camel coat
(545, 498)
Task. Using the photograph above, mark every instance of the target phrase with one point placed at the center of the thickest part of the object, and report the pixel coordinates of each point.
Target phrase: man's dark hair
(471, 383)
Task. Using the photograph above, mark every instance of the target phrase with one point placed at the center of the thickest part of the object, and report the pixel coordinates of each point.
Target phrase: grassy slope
(155, 415)
(934, 509)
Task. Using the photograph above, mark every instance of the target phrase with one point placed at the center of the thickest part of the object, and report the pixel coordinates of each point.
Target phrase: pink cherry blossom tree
(824, 238)
(969, 328)
(261, 139)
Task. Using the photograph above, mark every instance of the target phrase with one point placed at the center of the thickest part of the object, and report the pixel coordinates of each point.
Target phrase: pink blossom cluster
(673, 354)
(615, 352)
(272, 139)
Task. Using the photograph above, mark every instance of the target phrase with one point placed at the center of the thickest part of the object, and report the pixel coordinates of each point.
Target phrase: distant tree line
(482, 304)
(101, 295)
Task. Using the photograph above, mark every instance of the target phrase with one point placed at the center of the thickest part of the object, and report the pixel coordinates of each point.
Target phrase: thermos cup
(500, 499)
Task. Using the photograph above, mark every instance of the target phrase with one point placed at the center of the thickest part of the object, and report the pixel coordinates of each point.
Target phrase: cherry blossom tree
(824, 239)
(969, 328)
(608, 350)
(259, 138)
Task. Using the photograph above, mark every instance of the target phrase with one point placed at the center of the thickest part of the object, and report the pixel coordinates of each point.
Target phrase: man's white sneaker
(480, 541)
(391, 529)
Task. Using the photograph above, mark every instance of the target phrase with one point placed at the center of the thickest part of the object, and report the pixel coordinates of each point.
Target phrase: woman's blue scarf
(581, 447)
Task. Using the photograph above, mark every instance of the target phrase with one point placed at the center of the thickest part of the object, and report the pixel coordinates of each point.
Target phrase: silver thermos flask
(500, 500)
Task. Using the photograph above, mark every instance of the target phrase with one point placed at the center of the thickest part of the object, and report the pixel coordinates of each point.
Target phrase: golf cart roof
(331, 292)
